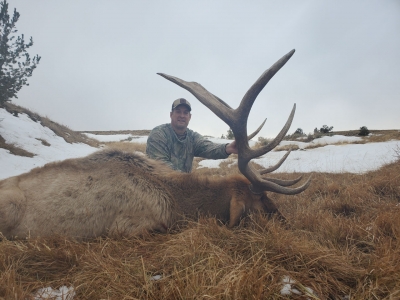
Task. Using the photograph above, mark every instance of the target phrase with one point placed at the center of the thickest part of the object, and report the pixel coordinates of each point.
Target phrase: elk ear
(236, 210)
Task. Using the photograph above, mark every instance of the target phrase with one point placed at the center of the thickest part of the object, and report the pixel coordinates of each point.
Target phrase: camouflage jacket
(164, 145)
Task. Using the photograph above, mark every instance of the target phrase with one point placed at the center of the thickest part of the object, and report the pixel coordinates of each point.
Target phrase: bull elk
(115, 192)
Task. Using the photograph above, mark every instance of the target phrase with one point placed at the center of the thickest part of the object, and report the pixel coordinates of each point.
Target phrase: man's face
(180, 117)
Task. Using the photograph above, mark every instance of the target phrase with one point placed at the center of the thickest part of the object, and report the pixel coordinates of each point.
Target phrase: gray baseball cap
(181, 101)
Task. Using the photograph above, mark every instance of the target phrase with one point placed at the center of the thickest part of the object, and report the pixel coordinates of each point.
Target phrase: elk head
(236, 119)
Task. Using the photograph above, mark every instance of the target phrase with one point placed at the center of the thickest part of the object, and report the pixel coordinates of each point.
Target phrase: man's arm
(207, 149)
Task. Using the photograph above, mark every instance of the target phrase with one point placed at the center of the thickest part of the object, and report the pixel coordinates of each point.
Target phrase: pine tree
(299, 131)
(15, 63)
(325, 129)
(364, 131)
(230, 135)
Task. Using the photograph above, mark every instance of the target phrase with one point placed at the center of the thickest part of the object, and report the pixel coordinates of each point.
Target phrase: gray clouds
(100, 59)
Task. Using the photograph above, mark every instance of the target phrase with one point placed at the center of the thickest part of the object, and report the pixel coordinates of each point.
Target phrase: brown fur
(115, 192)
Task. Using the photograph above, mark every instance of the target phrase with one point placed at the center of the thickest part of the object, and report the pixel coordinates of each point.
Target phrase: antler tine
(284, 182)
(215, 104)
(266, 184)
(251, 95)
(275, 142)
(275, 167)
(257, 131)
(222, 101)
(276, 188)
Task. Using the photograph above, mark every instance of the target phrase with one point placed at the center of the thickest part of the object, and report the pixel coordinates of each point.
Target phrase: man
(177, 145)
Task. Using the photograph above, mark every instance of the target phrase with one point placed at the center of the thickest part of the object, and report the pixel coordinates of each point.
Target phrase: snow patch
(104, 138)
(63, 293)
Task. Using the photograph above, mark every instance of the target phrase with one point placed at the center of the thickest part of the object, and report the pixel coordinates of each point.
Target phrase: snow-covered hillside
(28, 135)
(24, 133)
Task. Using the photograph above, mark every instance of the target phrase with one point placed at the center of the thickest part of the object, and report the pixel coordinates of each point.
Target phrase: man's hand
(231, 148)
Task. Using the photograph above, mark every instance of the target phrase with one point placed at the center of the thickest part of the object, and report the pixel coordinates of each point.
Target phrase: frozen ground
(352, 158)
(27, 134)
(336, 156)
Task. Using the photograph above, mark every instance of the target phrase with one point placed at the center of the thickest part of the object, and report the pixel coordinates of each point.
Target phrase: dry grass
(112, 132)
(14, 149)
(44, 142)
(287, 148)
(342, 239)
(313, 146)
(262, 141)
(384, 136)
(319, 145)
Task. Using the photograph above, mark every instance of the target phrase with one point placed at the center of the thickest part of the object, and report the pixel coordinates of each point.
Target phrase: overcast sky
(100, 59)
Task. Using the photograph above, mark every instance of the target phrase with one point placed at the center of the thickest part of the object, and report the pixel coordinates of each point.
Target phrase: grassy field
(342, 241)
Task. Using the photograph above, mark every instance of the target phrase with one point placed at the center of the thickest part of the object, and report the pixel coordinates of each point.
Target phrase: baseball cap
(181, 101)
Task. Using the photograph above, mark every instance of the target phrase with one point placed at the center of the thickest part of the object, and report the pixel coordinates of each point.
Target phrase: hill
(29, 140)
(341, 241)
(113, 132)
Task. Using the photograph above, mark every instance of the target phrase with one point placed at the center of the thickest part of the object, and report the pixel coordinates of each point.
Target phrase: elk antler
(236, 119)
